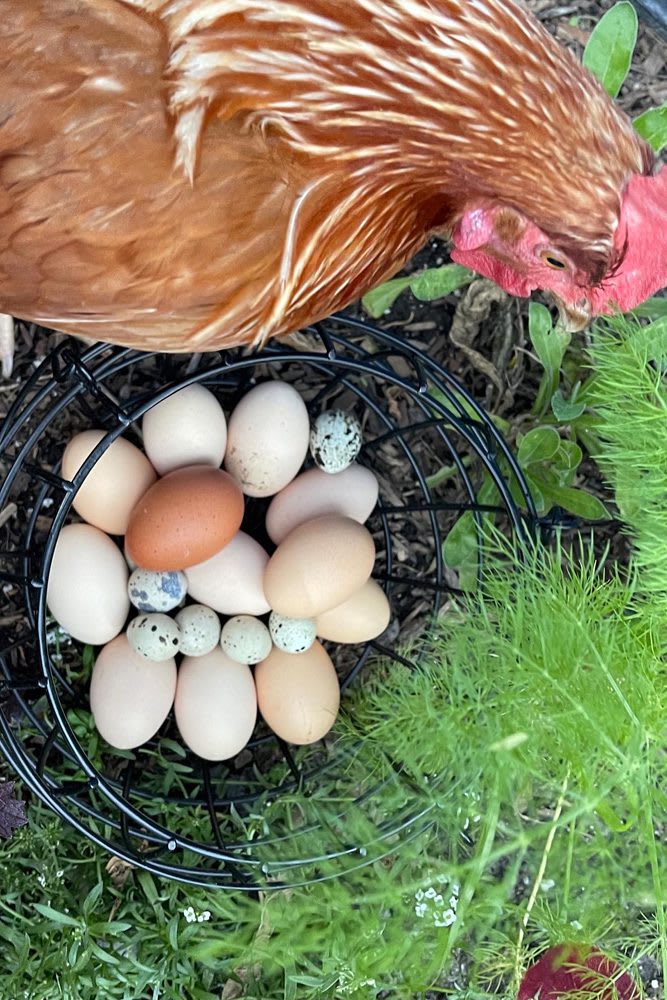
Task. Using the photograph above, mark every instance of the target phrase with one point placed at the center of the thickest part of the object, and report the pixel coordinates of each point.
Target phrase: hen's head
(502, 244)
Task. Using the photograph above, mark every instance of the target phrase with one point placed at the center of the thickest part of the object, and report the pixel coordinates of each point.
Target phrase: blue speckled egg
(161, 591)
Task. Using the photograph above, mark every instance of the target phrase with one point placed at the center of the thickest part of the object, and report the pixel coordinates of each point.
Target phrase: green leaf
(651, 309)
(652, 126)
(436, 282)
(460, 550)
(578, 502)
(538, 445)
(564, 410)
(56, 916)
(569, 455)
(609, 51)
(550, 344)
(377, 301)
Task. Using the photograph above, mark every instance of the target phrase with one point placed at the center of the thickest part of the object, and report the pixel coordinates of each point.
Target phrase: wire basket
(276, 814)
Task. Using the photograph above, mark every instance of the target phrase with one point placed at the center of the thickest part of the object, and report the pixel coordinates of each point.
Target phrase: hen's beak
(573, 318)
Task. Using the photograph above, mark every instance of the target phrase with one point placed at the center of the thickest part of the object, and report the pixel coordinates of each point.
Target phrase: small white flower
(419, 895)
(420, 909)
(442, 879)
(445, 919)
(547, 884)
(430, 893)
(203, 917)
(41, 878)
(190, 915)
(438, 900)
(453, 901)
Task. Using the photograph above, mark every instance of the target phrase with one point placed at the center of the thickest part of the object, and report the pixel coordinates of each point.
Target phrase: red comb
(577, 969)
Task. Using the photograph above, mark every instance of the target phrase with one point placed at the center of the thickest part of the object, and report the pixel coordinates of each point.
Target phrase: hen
(191, 174)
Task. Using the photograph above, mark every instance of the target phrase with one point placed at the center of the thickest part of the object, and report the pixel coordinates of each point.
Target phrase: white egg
(155, 636)
(200, 629)
(153, 590)
(186, 428)
(335, 440)
(292, 635)
(245, 639)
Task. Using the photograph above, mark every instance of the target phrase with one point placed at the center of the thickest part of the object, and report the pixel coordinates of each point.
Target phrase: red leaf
(577, 968)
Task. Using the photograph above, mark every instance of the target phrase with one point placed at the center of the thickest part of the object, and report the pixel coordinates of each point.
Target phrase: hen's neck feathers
(472, 98)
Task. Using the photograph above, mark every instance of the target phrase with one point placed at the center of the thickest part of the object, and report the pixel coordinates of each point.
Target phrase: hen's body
(196, 173)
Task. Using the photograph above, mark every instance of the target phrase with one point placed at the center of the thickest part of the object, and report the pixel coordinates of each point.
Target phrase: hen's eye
(553, 261)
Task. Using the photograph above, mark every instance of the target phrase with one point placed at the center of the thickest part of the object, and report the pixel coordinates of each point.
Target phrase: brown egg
(298, 693)
(184, 518)
(360, 618)
(319, 565)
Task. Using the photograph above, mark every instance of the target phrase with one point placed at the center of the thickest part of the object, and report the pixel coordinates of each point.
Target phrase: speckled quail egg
(292, 635)
(335, 440)
(155, 636)
(245, 639)
(200, 629)
(152, 590)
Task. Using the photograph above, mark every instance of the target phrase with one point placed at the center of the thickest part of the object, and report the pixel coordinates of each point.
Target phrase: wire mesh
(275, 814)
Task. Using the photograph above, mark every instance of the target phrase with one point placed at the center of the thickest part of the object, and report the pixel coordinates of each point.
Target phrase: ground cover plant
(530, 742)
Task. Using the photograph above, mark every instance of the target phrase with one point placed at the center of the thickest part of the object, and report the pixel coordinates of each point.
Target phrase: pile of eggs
(160, 531)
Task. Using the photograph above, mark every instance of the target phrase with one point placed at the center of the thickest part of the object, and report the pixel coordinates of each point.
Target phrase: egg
(200, 629)
(155, 636)
(114, 484)
(319, 565)
(351, 493)
(292, 635)
(130, 697)
(362, 617)
(186, 428)
(151, 590)
(87, 585)
(231, 581)
(335, 440)
(245, 639)
(298, 694)
(267, 438)
(184, 518)
(216, 705)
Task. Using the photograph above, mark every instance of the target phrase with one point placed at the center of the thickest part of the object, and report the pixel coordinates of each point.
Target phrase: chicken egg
(319, 565)
(231, 581)
(292, 635)
(200, 629)
(362, 617)
(150, 590)
(130, 697)
(87, 586)
(184, 518)
(335, 440)
(267, 438)
(114, 484)
(245, 639)
(216, 705)
(351, 493)
(186, 428)
(298, 694)
(155, 636)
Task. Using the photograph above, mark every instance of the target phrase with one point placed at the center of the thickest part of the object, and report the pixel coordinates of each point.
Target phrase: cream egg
(351, 493)
(216, 705)
(298, 694)
(231, 581)
(186, 428)
(87, 585)
(362, 617)
(267, 438)
(114, 484)
(130, 697)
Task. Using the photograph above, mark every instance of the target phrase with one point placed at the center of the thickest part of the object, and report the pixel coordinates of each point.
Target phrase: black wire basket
(276, 814)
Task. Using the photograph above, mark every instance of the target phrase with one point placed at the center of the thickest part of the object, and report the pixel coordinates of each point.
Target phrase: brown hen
(192, 174)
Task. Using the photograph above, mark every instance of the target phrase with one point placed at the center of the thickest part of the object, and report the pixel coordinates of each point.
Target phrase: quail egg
(245, 639)
(155, 636)
(200, 629)
(292, 635)
(335, 440)
(152, 590)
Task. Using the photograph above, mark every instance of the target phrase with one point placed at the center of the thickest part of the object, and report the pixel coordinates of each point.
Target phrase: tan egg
(87, 585)
(298, 693)
(362, 617)
(114, 484)
(184, 518)
(216, 705)
(186, 428)
(319, 565)
(351, 493)
(130, 696)
(267, 438)
(231, 582)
